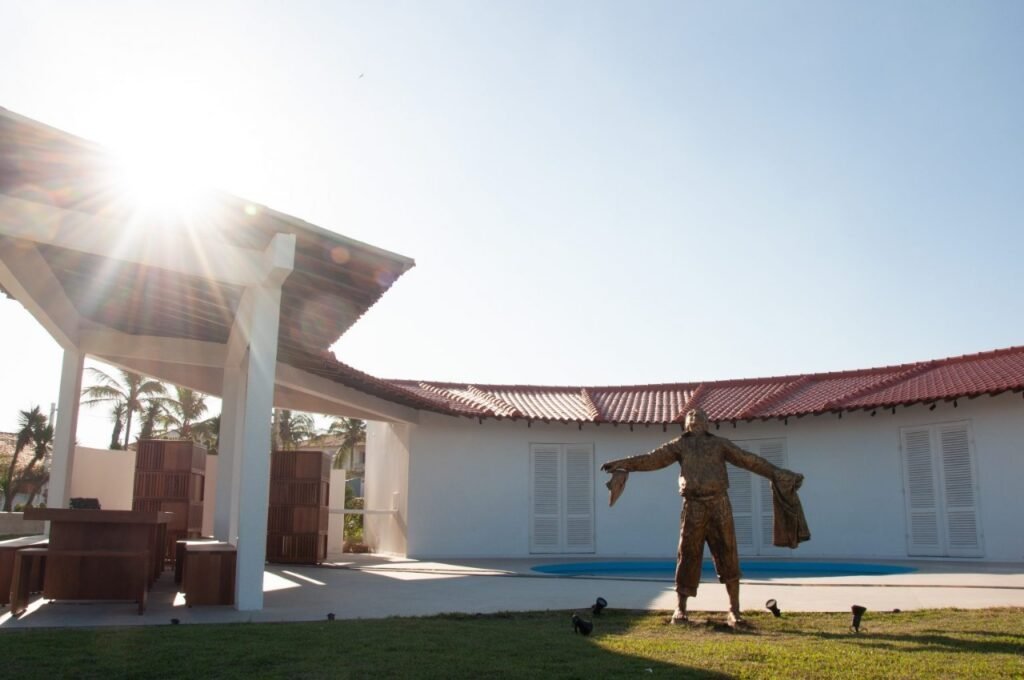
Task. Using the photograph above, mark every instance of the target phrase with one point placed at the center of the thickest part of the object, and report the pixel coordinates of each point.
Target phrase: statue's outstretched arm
(758, 465)
(661, 457)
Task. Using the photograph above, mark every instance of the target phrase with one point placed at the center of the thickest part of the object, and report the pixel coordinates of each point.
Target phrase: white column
(65, 429)
(254, 476)
(253, 344)
(229, 454)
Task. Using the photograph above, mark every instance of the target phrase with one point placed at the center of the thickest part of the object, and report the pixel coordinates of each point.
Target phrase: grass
(937, 643)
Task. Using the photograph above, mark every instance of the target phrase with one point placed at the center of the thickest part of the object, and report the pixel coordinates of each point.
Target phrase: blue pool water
(752, 569)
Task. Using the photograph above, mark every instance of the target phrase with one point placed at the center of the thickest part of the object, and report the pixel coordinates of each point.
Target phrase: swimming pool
(664, 570)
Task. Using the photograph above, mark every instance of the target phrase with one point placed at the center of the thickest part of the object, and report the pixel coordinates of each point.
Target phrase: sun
(156, 181)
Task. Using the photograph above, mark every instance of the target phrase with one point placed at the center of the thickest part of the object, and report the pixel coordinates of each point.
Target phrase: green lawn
(928, 644)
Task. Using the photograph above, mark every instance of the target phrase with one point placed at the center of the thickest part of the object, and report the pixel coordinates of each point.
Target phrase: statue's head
(696, 421)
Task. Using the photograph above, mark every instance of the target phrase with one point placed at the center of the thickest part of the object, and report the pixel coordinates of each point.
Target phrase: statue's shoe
(679, 617)
(734, 620)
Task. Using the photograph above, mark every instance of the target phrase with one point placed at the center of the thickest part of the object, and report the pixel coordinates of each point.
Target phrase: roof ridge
(691, 403)
(591, 407)
(497, 404)
(450, 396)
(893, 379)
(773, 398)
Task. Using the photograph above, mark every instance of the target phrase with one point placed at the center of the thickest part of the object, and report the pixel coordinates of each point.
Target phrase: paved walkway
(367, 586)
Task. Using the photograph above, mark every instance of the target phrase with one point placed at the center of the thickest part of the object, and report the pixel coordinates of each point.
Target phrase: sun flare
(161, 185)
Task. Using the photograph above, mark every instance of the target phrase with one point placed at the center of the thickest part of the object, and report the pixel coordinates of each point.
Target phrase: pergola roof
(159, 294)
(55, 178)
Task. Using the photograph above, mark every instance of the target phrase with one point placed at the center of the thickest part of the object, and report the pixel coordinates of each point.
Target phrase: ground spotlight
(581, 626)
(773, 606)
(330, 617)
(175, 622)
(598, 606)
(858, 612)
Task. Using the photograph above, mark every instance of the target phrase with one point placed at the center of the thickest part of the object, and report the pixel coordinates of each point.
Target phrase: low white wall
(14, 524)
(467, 483)
(336, 521)
(209, 494)
(387, 487)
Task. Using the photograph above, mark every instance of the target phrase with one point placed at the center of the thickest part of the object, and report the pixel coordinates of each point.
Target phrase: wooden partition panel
(298, 512)
(169, 476)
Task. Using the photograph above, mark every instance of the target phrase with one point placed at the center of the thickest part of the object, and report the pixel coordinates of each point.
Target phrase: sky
(595, 193)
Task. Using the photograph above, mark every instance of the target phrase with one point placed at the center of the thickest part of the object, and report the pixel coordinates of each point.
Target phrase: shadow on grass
(447, 646)
(927, 641)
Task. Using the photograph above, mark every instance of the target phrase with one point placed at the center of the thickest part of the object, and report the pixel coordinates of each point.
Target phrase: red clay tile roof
(748, 399)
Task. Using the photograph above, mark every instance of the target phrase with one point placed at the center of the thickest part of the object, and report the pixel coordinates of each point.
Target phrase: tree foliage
(133, 390)
(182, 411)
(352, 432)
(33, 431)
(293, 428)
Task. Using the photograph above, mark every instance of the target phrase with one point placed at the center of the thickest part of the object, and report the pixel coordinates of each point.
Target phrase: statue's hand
(789, 478)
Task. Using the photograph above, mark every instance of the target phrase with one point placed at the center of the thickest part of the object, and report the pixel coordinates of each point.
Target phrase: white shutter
(742, 501)
(751, 498)
(923, 536)
(579, 498)
(959, 495)
(545, 509)
(775, 453)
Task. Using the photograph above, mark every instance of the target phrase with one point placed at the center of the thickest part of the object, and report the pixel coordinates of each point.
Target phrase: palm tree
(131, 388)
(29, 423)
(207, 433)
(154, 408)
(117, 412)
(294, 428)
(183, 411)
(352, 432)
(42, 443)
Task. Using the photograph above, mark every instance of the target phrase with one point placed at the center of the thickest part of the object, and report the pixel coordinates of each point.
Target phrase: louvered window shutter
(545, 519)
(962, 535)
(742, 501)
(923, 537)
(579, 498)
(775, 453)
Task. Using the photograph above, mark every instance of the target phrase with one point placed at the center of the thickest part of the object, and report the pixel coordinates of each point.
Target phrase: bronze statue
(707, 513)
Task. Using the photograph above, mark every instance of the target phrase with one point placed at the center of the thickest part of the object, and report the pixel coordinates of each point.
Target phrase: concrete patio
(370, 586)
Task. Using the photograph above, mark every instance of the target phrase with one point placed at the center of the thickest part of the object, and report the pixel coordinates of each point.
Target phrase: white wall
(336, 521)
(104, 474)
(469, 491)
(387, 487)
(209, 493)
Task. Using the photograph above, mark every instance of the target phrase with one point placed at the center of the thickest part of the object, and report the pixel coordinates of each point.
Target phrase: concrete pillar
(258, 398)
(65, 429)
(229, 455)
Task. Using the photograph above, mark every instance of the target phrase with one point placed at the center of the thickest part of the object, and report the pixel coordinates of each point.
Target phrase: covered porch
(229, 298)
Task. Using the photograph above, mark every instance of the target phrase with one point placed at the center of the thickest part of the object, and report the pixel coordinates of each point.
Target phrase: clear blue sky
(595, 193)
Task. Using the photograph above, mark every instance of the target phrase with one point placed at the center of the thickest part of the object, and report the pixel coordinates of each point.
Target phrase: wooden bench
(126, 575)
(209, 573)
(7, 550)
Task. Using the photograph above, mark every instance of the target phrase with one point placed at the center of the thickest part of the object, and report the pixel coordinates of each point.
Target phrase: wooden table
(102, 554)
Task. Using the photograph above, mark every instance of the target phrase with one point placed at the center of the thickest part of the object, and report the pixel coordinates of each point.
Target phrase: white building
(916, 460)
